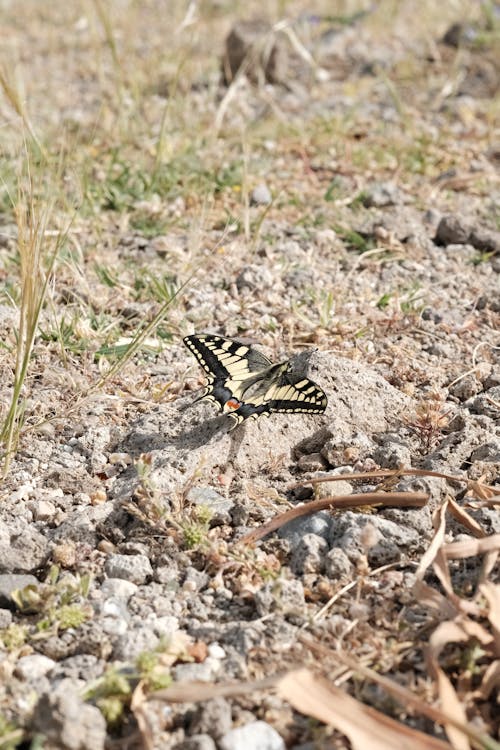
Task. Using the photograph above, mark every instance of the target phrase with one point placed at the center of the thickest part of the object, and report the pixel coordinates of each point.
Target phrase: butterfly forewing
(246, 383)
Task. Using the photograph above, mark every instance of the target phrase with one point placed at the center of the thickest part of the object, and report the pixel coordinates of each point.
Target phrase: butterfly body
(247, 384)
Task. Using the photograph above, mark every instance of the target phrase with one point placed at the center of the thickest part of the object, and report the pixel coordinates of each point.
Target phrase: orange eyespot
(232, 404)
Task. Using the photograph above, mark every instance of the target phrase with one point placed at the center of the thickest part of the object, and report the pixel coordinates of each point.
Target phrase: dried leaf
(491, 593)
(471, 547)
(439, 522)
(465, 519)
(365, 727)
(448, 632)
(490, 681)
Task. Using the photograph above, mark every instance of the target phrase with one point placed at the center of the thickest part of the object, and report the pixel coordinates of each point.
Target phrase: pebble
(5, 618)
(337, 565)
(197, 742)
(118, 588)
(261, 195)
(33, 667)
(213, 718)
(133, 568)
(204, 672)
(43, 510)
(258, 735)
(66, 721)
(308, 555)
(320, 524)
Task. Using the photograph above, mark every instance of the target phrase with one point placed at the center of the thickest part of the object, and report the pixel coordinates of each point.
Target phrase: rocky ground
(334, 200)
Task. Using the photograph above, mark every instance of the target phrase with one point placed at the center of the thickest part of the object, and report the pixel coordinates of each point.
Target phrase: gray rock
(258, 735)
(382, 194)
(118, 588)
(308, 556)
(386, 539)
(33, 667)
(393, 452)
(134, 568)
(22, 549)
(134, 642)
(12, 582)
(5, 618)
(68, 722)
(482, 404)
(204, 672)
(281, 595)
(81, 525)
(261, 195)
(466, 388)
(312, 462)
(213, 718)
(320, 524)
(81, 667)
(452, 230)
(337, 565)
(197, 742)
(489, 451)
(219, 505)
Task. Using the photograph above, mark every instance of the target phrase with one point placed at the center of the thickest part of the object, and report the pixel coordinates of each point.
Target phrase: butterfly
(247, 384)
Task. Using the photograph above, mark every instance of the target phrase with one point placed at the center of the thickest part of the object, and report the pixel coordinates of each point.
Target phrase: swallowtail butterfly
(247, 384)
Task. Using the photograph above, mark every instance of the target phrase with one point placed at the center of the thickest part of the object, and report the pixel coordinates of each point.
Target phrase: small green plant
(195, 526)
(10, 735)
(60, 600)
(354, 240)
(14, 636)
(112, 693)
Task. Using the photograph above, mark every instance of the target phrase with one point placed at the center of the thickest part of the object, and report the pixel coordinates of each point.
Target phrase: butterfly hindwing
(246, 384)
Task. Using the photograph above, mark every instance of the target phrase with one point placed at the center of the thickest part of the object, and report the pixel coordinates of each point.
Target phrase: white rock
(254, 736)
(118, 588)
(33, 667)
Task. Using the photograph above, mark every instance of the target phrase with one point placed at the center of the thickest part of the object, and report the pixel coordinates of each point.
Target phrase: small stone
(466, 388)
(132, 643)
(337, 565)
(33, 667)
(382, 194)
(5, 618)
(257, 735)
(197, 742)
(261, 195)
(285, 596)
(134, 568)
(118, 588)
(319, 524)
(392, 453)
(487, 452)
(43, 510)
(204, 672)
(308, 555)
(312, 462)
(216, 651)
(452, 230)
(213, 718)
(219, 505)
(68, 722)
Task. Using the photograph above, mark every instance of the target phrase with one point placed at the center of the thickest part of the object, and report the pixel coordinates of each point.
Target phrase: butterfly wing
(229, 366)
(246, 383)
(284, 394)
